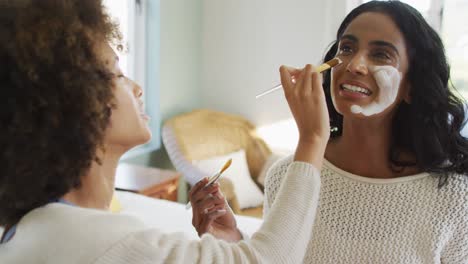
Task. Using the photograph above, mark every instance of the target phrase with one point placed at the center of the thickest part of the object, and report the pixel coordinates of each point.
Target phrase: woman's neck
(97, 186)
(363, 149)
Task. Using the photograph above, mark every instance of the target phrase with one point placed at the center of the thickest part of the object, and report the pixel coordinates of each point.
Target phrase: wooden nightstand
(152, 182)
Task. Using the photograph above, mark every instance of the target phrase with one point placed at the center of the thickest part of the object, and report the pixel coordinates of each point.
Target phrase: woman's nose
(358, 65)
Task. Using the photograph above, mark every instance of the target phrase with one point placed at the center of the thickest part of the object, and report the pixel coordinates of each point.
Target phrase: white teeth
(356, 89)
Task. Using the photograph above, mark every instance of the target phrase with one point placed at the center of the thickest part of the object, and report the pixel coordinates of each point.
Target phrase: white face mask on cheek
(388, 79)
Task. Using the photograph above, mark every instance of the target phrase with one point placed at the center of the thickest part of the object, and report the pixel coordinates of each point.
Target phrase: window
(454, 32)
(447, 18)
(133, 17)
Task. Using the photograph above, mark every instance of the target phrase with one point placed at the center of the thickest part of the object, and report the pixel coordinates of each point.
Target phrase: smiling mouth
(355, 89)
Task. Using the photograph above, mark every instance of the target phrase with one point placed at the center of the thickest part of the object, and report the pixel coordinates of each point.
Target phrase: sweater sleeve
(282, 238)
(273, 181)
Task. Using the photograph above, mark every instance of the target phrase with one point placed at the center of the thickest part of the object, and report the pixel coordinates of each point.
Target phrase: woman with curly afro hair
(68, 114)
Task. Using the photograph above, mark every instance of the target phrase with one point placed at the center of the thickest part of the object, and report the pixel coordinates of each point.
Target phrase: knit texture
(57, 234)
(368, 220)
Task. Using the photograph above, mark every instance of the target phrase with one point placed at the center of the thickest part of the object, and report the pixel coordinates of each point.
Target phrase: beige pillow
(247, 192)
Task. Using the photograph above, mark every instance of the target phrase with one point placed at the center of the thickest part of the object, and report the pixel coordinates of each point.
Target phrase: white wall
(180, 56)
(244, 42)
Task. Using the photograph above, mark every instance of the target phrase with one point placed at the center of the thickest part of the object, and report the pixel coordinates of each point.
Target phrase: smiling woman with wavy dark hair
(67, 115)
(430, 124)
(395, 175)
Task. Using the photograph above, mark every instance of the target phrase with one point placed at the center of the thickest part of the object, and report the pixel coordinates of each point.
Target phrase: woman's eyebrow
(384, 44)
(349, 37)
(374, 42)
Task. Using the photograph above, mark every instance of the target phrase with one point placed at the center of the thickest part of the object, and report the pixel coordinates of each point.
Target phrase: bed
(170, 216)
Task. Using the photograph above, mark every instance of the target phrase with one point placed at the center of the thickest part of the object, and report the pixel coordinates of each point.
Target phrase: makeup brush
(327, 65)
(214, 178)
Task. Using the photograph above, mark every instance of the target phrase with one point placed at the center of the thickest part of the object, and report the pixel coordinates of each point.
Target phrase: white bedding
(171, 216)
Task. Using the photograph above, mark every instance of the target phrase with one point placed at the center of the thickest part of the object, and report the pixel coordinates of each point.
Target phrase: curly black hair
(429, 126)
(56, 98)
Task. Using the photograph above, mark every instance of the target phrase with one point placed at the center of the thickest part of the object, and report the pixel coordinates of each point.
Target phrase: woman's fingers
(204, 207)
(196, 193)
(209, 219)
(317, 82)
(307, 88)
(215, 207)
(289, 75)
(200, 184)
(307, 101)
(286, 80)
(299, 81)
(204, 199)
(210, 202)
(200, 193)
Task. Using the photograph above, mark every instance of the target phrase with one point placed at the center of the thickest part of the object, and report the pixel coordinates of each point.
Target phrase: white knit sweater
(369, 220)
(58, 234)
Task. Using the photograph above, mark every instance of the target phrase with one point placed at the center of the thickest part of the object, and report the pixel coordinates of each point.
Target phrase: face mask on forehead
(388, 79)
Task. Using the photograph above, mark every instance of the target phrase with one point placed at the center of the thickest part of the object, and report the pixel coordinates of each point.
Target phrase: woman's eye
(381, 55)
(345, 49)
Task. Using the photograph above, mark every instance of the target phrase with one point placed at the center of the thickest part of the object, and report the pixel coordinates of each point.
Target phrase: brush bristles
(226, 165)
(329, 64)
(333, 62)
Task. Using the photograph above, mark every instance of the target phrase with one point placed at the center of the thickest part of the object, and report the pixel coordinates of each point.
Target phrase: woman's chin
(144, 138)
(343, 109)
(136, 141)
(346, 111)
(148, 137)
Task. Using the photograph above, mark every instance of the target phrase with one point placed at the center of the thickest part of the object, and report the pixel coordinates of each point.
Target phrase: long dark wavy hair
(429, 126)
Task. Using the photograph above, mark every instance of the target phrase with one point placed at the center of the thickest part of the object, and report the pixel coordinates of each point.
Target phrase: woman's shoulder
(456, 186)
(279, 168)
(277, 171)
(283, 162)
(67, 228)
(73, 218)
(458, 181)
(452, 199)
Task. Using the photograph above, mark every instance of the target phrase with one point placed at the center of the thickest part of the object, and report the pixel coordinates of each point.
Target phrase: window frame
(142, 13)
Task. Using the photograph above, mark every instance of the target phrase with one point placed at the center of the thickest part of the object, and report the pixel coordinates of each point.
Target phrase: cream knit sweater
(59, 234)
(367, 220)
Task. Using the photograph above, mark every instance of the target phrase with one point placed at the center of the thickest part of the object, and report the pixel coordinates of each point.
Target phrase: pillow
(247, 192)
(268, 163)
